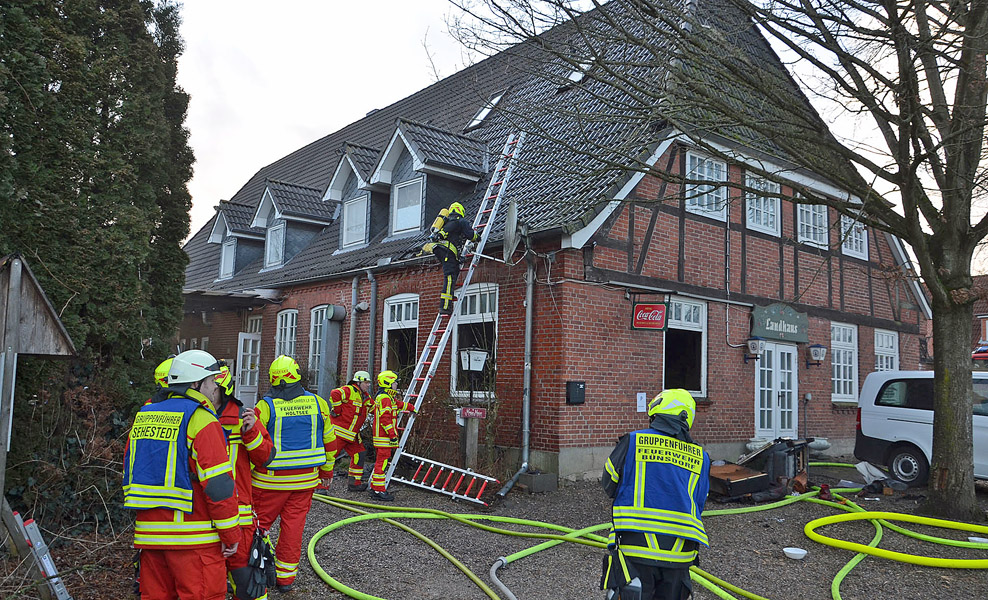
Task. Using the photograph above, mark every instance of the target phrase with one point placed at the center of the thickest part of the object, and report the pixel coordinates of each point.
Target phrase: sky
(266, 78)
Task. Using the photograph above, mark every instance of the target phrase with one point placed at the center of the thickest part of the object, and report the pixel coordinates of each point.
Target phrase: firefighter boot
(384, 496)
(354, 486)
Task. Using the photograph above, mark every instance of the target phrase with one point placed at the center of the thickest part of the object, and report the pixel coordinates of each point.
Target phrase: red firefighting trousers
(193, 574)
(292, 506)
(353, 450)
(380, 466)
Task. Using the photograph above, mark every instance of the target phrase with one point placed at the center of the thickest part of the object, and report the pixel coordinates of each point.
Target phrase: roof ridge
(439, 129)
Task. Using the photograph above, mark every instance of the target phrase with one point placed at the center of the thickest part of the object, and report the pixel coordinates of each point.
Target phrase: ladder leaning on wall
(458, 483)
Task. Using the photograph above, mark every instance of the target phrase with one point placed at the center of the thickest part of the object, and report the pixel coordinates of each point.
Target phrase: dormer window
(354, 221)
(406, 212)
(483, 112)
(228, 256)
(274, 246)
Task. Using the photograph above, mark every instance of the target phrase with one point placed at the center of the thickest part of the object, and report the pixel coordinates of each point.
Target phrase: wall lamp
(817, 352)
(756, 346)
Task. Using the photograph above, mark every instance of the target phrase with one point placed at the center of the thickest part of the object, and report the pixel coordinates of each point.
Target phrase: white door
(776, 392)
(248, 367)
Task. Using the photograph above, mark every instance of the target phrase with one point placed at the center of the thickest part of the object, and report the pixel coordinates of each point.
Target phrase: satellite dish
(511, 237)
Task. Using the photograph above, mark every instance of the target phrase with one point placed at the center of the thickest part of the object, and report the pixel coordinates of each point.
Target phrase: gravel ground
(378, 559)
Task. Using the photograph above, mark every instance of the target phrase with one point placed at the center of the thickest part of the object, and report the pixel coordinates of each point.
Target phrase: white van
(895, 423)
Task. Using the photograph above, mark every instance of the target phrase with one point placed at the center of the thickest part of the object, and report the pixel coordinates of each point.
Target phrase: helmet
(674, 402)
(192, 366)
(361, 376)
(386, 379)
(161, 372)
(457, 209)
(284, 369)
(225, 380)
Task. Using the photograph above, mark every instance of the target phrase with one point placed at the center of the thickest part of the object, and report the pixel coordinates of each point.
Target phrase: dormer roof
(294, 203)
(233, 218)
(356, 159)
(433, 150)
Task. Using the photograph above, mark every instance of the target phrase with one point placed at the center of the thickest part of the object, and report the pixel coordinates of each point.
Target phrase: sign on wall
(780, 322)
(651, 315)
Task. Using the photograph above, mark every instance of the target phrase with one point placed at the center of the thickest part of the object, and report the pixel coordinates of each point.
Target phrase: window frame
(365, 199)
(228, 253)
(758, 182)
(695, 192)
(466, 319)
(885, 350)
(419, 181)
(403, 299)
(858, 236)
(805, 232)
(489, 105)
(259, 320)
(673, 322)
(204, 343)
(315, 344)
(282, 345)
(269, 247)
(839, 348)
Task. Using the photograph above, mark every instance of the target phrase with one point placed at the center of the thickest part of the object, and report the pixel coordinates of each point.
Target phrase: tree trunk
(951, 487)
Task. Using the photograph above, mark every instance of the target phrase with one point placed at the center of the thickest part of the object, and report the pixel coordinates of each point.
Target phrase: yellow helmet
(675, 403)
(161, 372)
(284, 369)
(386, 379)
(457, 208)
(225, 380)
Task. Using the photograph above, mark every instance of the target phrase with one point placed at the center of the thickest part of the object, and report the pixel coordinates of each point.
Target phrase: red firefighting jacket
(386, 407)
(246, 448)
(351, 406)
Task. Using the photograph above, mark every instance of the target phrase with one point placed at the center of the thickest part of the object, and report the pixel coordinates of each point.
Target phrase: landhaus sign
(780, 322)
(648, 316)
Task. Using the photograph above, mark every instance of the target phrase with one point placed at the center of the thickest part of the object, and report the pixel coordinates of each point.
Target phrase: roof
(363, 158)
(436, 147)
(238, 217)
(300, 201)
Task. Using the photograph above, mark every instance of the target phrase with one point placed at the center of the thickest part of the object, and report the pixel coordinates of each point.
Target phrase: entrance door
(776, 392)
(248, 367)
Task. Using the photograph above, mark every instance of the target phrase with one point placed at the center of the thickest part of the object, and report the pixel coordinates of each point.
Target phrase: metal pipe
(526, 402)
(353, 328)
(372, 336)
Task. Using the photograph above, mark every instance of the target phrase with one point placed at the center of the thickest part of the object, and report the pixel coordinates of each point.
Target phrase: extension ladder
(42, 557)
(435, 344)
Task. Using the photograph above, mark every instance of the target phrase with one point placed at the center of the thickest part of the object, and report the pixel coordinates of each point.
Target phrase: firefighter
(386, 407)
(248, 443)
(301, 427)
(178, 477)
(451, 234)
(350, 405)
(161, 378)
(658, 478)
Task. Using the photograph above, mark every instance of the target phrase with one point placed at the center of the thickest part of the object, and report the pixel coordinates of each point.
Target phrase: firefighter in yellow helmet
(161, 378)
(301, 426)
(450, 236)
(386, 407)
(659, 479)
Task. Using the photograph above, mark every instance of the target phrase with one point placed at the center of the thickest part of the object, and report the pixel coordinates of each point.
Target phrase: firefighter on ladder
(302, 430)
(350, 405)
(178, 477)
(386, 407)
(249, 445)
(659, 479)
(451, 237)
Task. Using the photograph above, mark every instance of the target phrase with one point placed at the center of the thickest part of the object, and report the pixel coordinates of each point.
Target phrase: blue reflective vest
(663, 487)
(156, 467)
(296, 428)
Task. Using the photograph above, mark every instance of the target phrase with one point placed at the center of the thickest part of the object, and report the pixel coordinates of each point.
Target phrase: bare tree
(904, 81)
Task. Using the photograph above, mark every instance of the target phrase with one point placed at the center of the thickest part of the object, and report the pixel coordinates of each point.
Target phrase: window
(910, 393)
(812, 224)
(844, 362)
(284, 339)
(855, 238)
(194, 344)
(407, 214)
(316, 320)
(886, 350)
(401, 322)
(476, 328)
(254, 324)
(181, 346)
(483, 112)
(685, 364)
(274, 245)
(204, 344)
(706, 199)
(228, 258)
(354, 221)
(763, 208)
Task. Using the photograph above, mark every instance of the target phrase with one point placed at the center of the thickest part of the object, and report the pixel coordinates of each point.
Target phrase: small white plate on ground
(977, 540)
(797, 553)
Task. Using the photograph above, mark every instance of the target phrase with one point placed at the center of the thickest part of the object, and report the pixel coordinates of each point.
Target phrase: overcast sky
(267, 78)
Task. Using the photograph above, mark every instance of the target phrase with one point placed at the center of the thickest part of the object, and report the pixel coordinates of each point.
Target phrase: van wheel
(908, 465)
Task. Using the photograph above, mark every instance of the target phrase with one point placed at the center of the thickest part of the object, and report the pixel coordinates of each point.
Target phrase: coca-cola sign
(648, 316)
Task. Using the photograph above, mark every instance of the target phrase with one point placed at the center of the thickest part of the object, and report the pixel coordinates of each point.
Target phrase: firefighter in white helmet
(659, 479)
(350, 406)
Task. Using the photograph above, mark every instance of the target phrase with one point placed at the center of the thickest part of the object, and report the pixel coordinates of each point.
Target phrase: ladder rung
(470, 487)
(438, 475)
(458, 482)
(482, 488)
(448, 477)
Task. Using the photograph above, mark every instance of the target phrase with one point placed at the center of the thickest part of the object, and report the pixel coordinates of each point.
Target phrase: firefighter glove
(394, 441)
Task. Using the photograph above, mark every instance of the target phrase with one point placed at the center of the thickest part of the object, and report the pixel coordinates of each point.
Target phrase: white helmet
(192, 366)
(361, 376)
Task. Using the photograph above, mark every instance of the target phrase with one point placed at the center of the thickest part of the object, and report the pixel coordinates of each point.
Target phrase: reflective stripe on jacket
(321, 435)
(156, 466)
(351, 405)
(662, 486)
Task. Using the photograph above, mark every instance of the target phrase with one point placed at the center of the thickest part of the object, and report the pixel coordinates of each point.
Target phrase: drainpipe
(353, 327)
(526, 402)
(372, 340)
